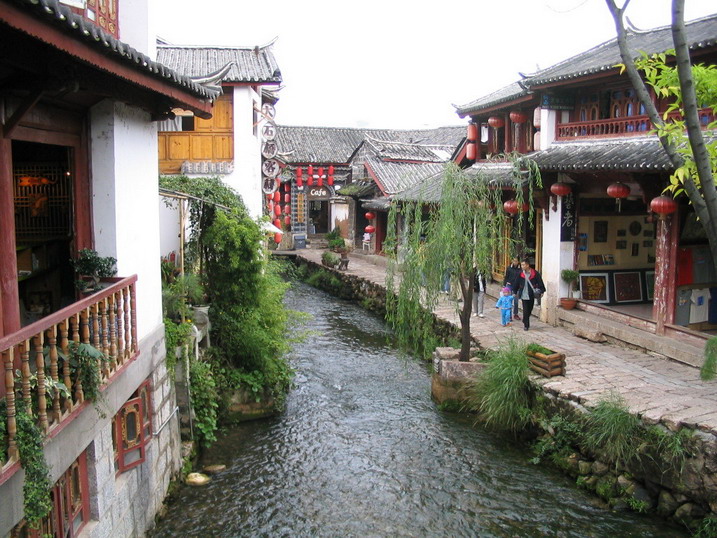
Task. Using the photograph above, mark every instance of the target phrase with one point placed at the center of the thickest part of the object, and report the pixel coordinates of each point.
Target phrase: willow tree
(457, 236)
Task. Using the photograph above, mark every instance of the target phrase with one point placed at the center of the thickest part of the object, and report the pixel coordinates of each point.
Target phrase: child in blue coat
(505, 303)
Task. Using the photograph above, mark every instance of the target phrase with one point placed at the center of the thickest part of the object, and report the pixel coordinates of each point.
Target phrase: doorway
(42, 177)
(319, 217)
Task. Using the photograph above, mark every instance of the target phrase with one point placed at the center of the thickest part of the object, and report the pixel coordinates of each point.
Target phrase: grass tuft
(612, 431)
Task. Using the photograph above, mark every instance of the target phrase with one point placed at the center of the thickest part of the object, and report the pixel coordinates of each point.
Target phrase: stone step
(584, 323)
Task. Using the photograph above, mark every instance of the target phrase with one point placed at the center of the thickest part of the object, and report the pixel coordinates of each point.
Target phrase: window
(132, 429)
(70, 505)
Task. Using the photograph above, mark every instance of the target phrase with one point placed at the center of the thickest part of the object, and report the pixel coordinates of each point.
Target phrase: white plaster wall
(547, 127)
(339, 213)
(246, 177)
(169, 226)
(125, 175)
(136, 26)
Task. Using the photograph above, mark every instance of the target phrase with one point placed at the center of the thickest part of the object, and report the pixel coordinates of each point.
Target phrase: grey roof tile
(624, 154)
(249, 64)
(52, 12)
(505, 94)
(302, 145)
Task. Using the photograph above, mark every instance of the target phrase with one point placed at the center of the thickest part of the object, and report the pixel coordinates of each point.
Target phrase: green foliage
(612, 431)
(671, 449)
(329, 259)
(458, 237)
(562, 439)
(336, 244)
(184, 290)
(709, 368)
(89, 263)
(175, 335)
(537, 348)
(637, 505)
(36, 488)
(334, 234)
(708, 528)
(664, 80)
(205, 401)
(569, 276)
(501, 395)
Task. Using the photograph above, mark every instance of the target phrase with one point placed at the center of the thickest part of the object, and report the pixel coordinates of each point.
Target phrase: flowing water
(363, 451)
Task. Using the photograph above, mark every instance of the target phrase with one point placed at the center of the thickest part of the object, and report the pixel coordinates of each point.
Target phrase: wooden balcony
(37, 358)
(630, 126)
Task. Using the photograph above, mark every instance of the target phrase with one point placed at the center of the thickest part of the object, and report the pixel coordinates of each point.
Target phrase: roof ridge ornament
(210, 81)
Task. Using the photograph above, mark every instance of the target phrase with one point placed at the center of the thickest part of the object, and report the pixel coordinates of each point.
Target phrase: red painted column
(663, 307)
(9, 297)
(508, 132)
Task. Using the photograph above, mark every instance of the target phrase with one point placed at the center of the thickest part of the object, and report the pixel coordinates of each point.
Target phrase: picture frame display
(628, 287)
(595, 287)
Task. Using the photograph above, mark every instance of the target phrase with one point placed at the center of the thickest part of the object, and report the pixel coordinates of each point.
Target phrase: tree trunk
(465, 317)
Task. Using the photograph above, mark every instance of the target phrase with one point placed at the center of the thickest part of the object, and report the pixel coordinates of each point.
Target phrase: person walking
(479, 285)
(530, 287)
(510, 279)
(505, 305)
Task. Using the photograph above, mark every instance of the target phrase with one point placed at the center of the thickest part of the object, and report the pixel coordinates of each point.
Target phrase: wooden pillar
(9, 297)
(478, 148)
(663, 307)
(507, 134)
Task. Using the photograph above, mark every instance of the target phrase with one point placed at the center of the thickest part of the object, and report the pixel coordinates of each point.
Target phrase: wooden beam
(9, 295)
(21, 111)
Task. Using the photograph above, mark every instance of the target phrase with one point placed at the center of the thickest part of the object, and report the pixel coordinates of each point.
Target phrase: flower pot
(568, 303)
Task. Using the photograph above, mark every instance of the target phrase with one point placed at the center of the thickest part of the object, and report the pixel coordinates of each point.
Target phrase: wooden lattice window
(43, 200)
(132, 430)
(70, 505)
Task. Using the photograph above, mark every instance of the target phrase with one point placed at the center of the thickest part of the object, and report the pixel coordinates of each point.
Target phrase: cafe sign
(319, 193)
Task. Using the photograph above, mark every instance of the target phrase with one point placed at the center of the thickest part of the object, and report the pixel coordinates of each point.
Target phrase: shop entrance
(319, 217)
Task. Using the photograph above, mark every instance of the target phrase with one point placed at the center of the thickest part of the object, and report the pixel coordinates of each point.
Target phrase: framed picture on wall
(628, 287)
(622, 233)
(650, 284)
(621, 245)
(636, 249)
(595, 287)
(600, 231)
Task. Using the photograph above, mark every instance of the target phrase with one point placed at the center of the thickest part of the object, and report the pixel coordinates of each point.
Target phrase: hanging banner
(568, 218)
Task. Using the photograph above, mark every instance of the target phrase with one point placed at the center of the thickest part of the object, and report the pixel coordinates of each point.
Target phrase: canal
(363, 451)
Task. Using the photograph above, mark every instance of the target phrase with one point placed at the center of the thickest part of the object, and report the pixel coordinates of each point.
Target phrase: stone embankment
(662, 393)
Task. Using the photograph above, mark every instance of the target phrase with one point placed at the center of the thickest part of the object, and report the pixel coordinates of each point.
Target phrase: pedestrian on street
(530, 287)
(505, 304)
(479, 285)
(511, 280)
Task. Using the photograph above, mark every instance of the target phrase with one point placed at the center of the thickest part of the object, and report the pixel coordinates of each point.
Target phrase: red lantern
(321, 171)
(277, 237)
(331, 179)
(287, 187)
(518, 117)
(287, 220)
(560, 189)
(277, 210)
(310, 172)
(287, 209)
(511, 206)
(277, 223)
(277, 196)
(618, 191)
(370, 215)
(663, 206)
(471, 151)
(320, 181)
(270, 197)
(496, 122)
(369, 229)
(299, 177)
(287, 198)
(472, 135)
(331, 169)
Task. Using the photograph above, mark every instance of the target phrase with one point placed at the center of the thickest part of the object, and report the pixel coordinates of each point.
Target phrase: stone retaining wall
(686, 493)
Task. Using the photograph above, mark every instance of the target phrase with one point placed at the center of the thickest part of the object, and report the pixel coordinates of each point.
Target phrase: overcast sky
(401, 64)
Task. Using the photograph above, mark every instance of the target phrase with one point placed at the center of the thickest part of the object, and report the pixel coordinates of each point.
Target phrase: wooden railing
(36, 360)
(629, 126)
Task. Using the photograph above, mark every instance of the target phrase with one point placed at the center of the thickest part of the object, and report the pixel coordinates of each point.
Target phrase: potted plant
(91, 267)
(544, 361)
(329, 259)
(569, 276)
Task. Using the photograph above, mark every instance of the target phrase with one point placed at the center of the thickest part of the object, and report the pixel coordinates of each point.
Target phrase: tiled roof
(701, 33)
(302, 145)
(396, 177)
(402, 151)
(249, 64)
(507, 93)
(430, 189)
(52, 12)
(628, 155)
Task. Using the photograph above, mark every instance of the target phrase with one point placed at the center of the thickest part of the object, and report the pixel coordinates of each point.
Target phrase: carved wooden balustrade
(35, 360)
(629, 126)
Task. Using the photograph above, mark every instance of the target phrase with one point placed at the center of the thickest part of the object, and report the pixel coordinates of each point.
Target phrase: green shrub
(537, 348)
(205, 401)
(671, 449)
(709, 368)
(334, 234)
(501, 394)
(329, 259)
(561, 439)
(612, 431)
(336, 244)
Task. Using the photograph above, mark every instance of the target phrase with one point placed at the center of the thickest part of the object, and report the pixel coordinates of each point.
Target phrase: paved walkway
(656, 388)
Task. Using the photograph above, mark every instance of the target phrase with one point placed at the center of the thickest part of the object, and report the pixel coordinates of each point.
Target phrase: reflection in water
(362, 451)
